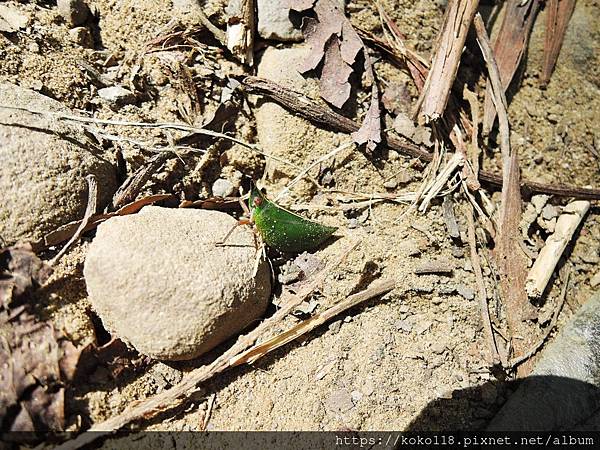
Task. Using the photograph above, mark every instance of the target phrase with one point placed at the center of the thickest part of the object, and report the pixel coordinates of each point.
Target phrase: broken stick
(457, 21)
(544, 265)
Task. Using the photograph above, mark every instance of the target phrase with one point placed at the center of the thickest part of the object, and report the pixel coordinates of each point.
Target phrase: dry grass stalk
(325, 117)
(457, 21)
(481, 291)
(90, 210)
(509, 48)
(563, 295)
(542, 269)
(258, 351)
(510, 260)
(241, 29)
(558, 14)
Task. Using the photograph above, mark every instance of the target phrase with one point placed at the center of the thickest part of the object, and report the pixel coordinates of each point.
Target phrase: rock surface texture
(43, 165)
(274, 21)
(158, 281)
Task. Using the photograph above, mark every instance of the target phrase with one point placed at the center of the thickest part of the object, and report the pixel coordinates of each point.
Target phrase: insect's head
(257, 198)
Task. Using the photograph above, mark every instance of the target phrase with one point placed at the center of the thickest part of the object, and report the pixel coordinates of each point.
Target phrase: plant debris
(35, 360)
(334, 42)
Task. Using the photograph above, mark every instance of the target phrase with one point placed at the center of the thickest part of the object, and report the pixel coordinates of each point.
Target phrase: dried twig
(132, 186)
(258, 351)
(158, 125)
(510, 260)
(87, 216)
(66, 232)
(481, 293)
(326, 118)
(509, 48)
(241, 29)
(563, 295)
(544, 265)
(558, 14)
(457, 21)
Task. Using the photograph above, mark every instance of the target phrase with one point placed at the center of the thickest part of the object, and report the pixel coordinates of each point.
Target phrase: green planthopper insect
(284, 230)
(281, 229)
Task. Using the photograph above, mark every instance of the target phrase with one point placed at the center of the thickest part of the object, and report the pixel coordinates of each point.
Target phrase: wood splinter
(544, 265)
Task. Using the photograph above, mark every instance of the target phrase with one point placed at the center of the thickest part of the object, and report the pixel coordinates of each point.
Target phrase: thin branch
(328, 119)
(481, 293)
(87, 216)
(521, 359)
(157, 125)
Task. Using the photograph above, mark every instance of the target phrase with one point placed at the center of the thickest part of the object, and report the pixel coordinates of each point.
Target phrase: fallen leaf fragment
(34, 360)
(335, 43)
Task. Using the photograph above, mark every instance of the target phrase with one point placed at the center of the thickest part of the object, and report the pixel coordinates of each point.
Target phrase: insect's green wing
(284, 230)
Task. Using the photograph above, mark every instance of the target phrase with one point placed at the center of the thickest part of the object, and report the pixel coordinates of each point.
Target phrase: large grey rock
(158, 281)
(43, 165)
(564, 387)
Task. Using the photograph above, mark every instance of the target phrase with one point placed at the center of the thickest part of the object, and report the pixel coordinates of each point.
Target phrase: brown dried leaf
(20, 272)
(334, 77)
(333, 41)
(370, 130)
(34, 361)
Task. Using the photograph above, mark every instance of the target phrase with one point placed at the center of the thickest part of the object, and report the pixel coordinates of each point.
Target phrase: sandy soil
(381, 364)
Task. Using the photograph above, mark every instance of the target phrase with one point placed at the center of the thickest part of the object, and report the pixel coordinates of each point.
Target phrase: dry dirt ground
(382, 365)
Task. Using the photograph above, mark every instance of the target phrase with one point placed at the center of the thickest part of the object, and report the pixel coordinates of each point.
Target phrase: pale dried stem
(540, 273)
(481, 291)
(90, 210)
(444, 67)
(157, 125)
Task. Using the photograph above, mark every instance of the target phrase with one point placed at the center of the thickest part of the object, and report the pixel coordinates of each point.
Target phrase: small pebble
(465, 291)
(75, 12)
(356, 396)
(391, 184)
(81, 36)
(117, 95)
(334, 327)
(549, 212)
(339, 401)
(423, 326)
(457, 252)
(404, 325)
(438, 348)
(222, 188)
